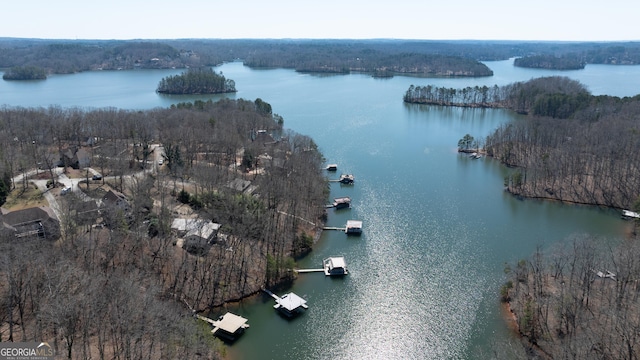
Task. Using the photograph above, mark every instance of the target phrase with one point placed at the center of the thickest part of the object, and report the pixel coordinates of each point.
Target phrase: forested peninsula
(25, 73)
(115, 275)
(573, 146)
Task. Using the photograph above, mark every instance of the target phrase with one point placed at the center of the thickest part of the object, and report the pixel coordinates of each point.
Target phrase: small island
(25, 73)
(195, 82)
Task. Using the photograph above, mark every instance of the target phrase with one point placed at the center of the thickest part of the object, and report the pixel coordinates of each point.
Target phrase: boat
(342, 202)
(332, 167)
(346, 179)
(335, 266)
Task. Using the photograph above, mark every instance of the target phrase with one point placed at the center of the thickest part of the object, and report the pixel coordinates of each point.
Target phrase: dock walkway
(204, 318)
(276, 297)
(334, 228)
(308, 270)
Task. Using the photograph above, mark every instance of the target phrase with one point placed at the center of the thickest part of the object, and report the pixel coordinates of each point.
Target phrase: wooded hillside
(118, 281)
(578, 300)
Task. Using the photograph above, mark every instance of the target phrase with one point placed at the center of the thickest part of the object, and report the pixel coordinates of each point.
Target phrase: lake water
(438, 227)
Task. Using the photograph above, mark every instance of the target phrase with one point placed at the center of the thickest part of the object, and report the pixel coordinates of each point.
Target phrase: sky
(564, 20)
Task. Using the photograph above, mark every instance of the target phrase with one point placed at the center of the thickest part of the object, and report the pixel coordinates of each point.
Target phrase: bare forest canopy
(378, 57)
(578, 300)
(573, 147)
(196, 81)
(119, 291)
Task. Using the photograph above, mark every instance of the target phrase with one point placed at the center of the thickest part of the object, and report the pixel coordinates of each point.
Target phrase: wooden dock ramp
(276, 297)
(308, 270)
(334, 228)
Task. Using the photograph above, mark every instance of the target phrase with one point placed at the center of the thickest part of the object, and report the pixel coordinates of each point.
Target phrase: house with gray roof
(35, 222)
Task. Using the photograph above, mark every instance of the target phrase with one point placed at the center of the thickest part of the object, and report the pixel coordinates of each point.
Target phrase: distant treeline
(576, 56)
(345, 60)
(379, 57)
(573, 147)
(196, 81)
(547, 61)
(61, 57)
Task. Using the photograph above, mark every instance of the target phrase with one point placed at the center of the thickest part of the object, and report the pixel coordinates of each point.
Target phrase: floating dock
(288, 304)
(335, 266)
(354, 227)
(332, 167)
(228, 326)
(332, 266)
(342, 202)
(346, 179)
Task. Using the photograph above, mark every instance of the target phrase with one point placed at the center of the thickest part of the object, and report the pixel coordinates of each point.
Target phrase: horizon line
(318, 39)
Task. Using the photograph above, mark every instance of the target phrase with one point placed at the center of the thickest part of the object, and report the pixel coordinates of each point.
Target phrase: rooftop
(230, 323)
(291, 301)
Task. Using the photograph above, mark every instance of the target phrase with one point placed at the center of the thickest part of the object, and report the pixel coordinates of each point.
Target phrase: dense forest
(124, 289)
(573, 147)
(196, 81)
